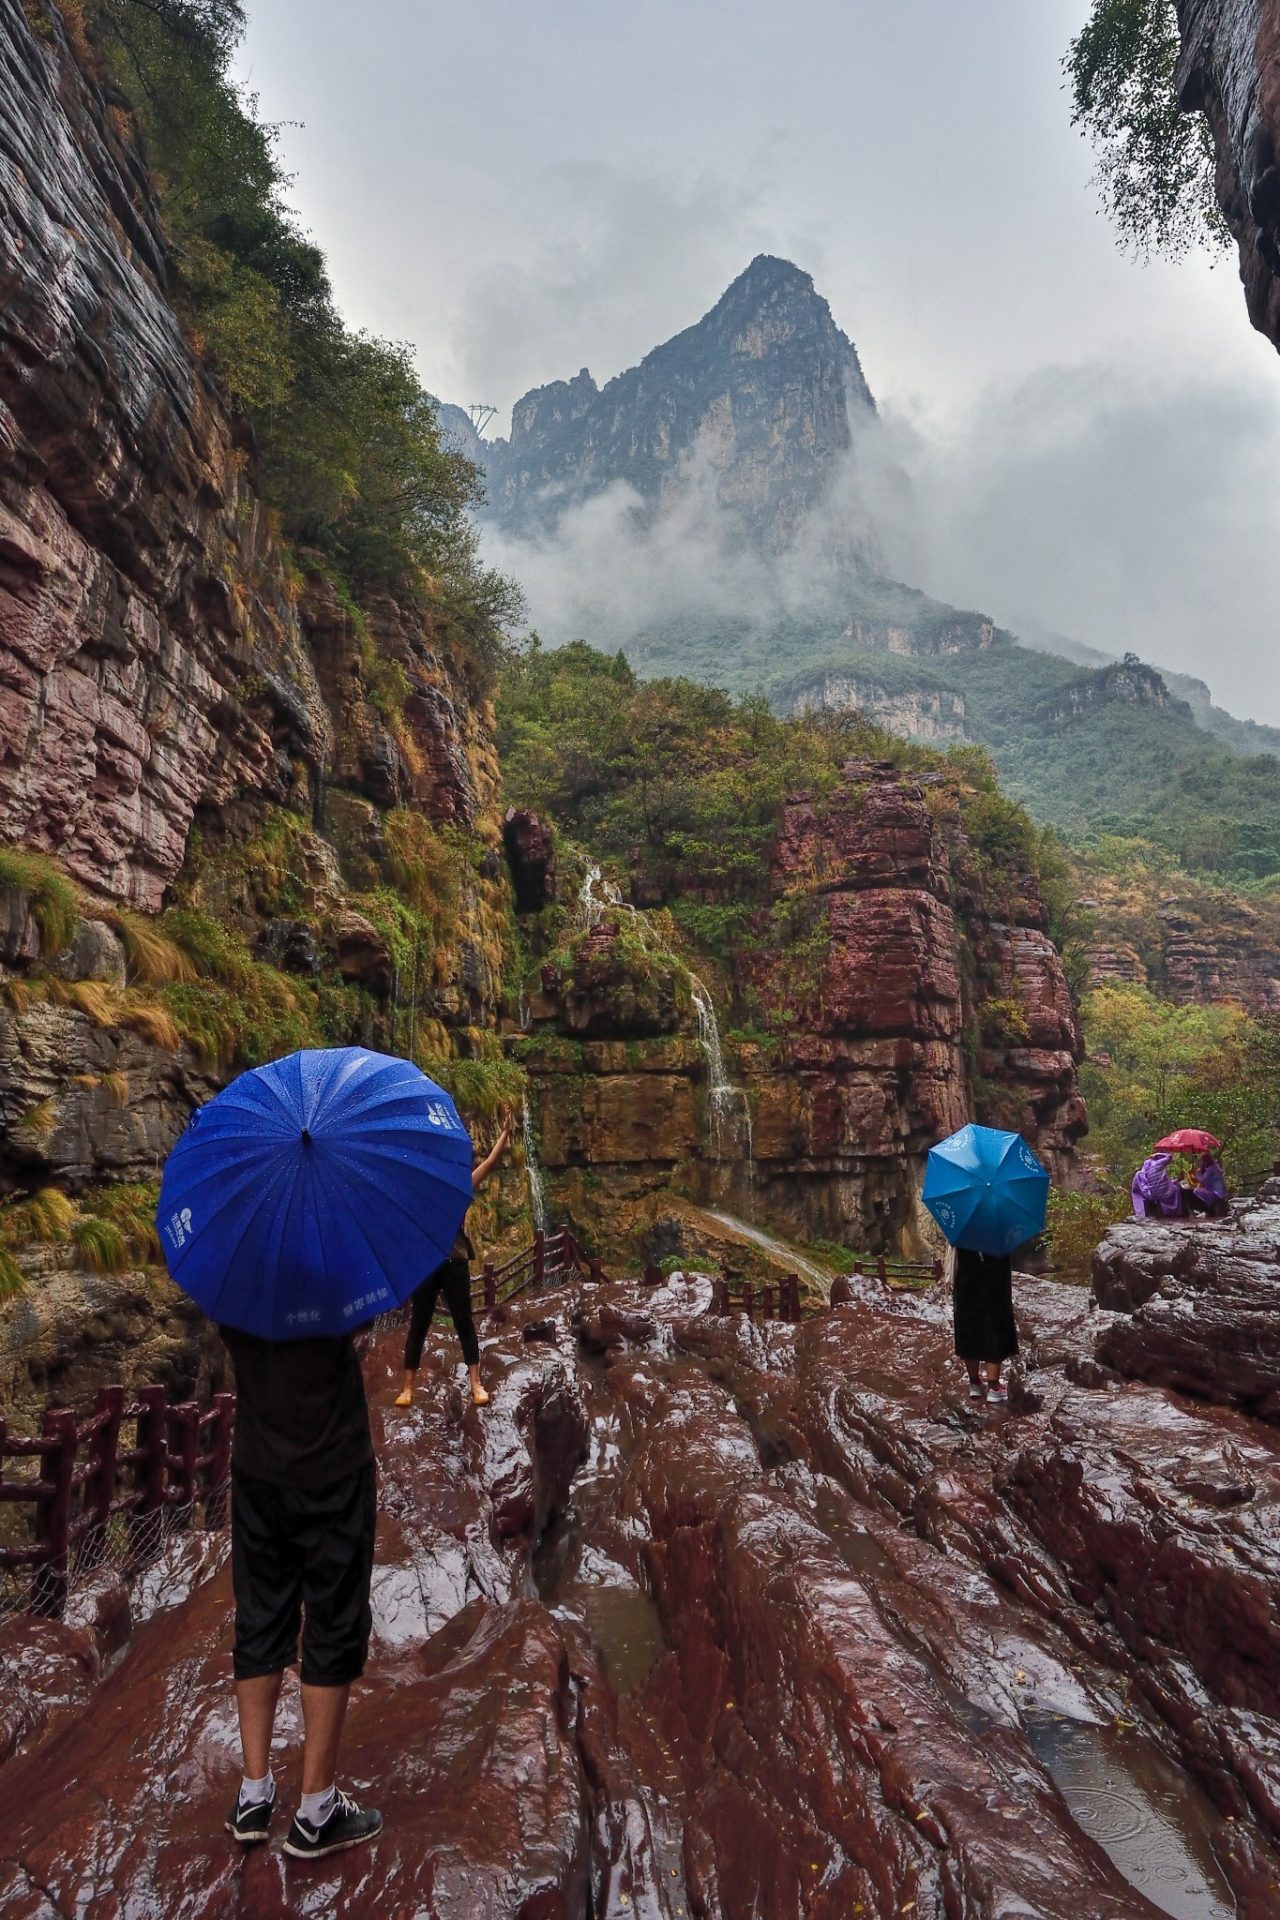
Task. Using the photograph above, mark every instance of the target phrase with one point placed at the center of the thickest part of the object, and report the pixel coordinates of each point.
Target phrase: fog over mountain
(1086, 511)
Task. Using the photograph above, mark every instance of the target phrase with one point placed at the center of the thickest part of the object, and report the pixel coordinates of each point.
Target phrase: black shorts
(303, 1556)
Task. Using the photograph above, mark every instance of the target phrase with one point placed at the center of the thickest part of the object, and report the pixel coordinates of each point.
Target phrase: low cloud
(1120, 510)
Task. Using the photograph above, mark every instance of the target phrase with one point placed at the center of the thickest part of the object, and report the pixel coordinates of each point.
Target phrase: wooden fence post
(215, 1503)
(184, 1446)
(653, 1276)
(882, 1271)
(793, 1298)
(937, 1271)
(748, 1300)
(766, 1303)
(490, 1288)
(595, 1271)
(100, 1484)
(539, 1258)
(151, 1473)
(53, 1510)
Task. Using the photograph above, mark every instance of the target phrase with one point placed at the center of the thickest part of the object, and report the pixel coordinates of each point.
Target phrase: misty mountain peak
(755, 402)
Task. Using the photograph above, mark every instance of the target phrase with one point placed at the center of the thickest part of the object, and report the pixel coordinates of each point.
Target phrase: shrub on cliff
(349, 443)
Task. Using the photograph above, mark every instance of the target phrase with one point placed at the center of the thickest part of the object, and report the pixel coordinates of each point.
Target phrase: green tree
(1155, 163)
(349, 443)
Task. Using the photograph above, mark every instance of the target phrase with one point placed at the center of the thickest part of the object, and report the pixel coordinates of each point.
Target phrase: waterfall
(537, 1198)
(591, 906)
(728, 1110)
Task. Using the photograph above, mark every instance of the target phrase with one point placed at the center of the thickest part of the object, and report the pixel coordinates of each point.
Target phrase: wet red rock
(700, 1618)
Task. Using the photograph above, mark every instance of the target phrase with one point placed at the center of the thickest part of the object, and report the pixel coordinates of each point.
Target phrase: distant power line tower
(481, 416)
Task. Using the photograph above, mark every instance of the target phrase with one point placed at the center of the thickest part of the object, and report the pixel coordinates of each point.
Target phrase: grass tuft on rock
(100, 1244)
(42, 1220)
(53, 898)
(154, 958)
(12, 1278)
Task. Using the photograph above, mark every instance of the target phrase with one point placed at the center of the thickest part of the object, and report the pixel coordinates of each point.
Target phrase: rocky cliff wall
(1187, 941)
(1230, 71)
(934, 715)
(893, 986)
(189, 714)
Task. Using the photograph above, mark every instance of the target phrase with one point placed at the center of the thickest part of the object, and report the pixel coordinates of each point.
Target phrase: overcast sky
(524, 187)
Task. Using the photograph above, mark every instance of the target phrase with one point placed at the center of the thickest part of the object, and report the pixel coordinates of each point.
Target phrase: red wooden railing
(784, 1302)
(86, 1480)
(765, 1303)
(552, 1256)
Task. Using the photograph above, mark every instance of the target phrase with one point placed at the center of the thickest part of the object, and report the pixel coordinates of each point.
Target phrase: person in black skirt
(453, 1279)
(986, 1332)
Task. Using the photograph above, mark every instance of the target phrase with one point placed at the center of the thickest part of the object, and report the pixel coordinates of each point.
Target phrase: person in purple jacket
(1155, 1193)
(1209, 1189)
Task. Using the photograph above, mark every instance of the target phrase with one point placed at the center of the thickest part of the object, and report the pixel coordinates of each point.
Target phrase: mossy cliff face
(196, 720)
(898, 983)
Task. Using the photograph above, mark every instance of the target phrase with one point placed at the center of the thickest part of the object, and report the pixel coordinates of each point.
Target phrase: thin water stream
(785, 1255)
(533, 1172)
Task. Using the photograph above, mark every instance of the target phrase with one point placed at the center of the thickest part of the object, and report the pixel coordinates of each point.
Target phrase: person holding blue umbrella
(302, 1201)
(988, 1193)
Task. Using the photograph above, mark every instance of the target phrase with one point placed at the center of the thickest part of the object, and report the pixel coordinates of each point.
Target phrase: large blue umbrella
(315, 1192)
(986, 1190)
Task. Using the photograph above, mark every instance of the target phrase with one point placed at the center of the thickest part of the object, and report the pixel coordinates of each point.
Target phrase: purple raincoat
(1211, 1184)
(1155, 1193)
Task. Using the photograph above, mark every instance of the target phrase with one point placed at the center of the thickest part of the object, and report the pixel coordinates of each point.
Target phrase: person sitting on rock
(986, 1332)
(1209, 1189)
(1155, 1193)
(453, 1279)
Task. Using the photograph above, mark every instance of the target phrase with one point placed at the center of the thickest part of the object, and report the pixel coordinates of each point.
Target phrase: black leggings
(453, 1279)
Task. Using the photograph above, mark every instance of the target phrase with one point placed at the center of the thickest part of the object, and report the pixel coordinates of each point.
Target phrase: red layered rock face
(1230, 71)
(152, 660)
(895, 985)
(885, 1010)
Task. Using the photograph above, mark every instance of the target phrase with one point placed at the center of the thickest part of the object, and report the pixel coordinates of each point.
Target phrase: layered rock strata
(700, 1618)
(904, 985)
(157, 654)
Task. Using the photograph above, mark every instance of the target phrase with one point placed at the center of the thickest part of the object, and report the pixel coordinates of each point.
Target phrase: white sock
(256, 1793)
(316, 1807)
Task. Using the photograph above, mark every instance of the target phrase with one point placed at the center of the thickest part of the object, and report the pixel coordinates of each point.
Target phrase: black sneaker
(252, 1824)
(346, 1826)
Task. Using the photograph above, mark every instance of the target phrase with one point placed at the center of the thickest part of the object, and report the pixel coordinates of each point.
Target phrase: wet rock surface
(705, 1618)
(1199, 1304)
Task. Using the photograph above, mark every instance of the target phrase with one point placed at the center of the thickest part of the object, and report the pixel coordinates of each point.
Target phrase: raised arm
(481, 1173)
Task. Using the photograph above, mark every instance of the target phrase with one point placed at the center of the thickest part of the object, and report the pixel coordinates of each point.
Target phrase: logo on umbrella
(179, 1227)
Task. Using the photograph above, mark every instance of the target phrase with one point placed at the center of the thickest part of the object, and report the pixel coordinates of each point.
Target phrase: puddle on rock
(860, 1550)
(623, 1622)
(1146, 1816)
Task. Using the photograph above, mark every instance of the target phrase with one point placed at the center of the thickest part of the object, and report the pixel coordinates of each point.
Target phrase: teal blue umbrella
(986, 1190)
